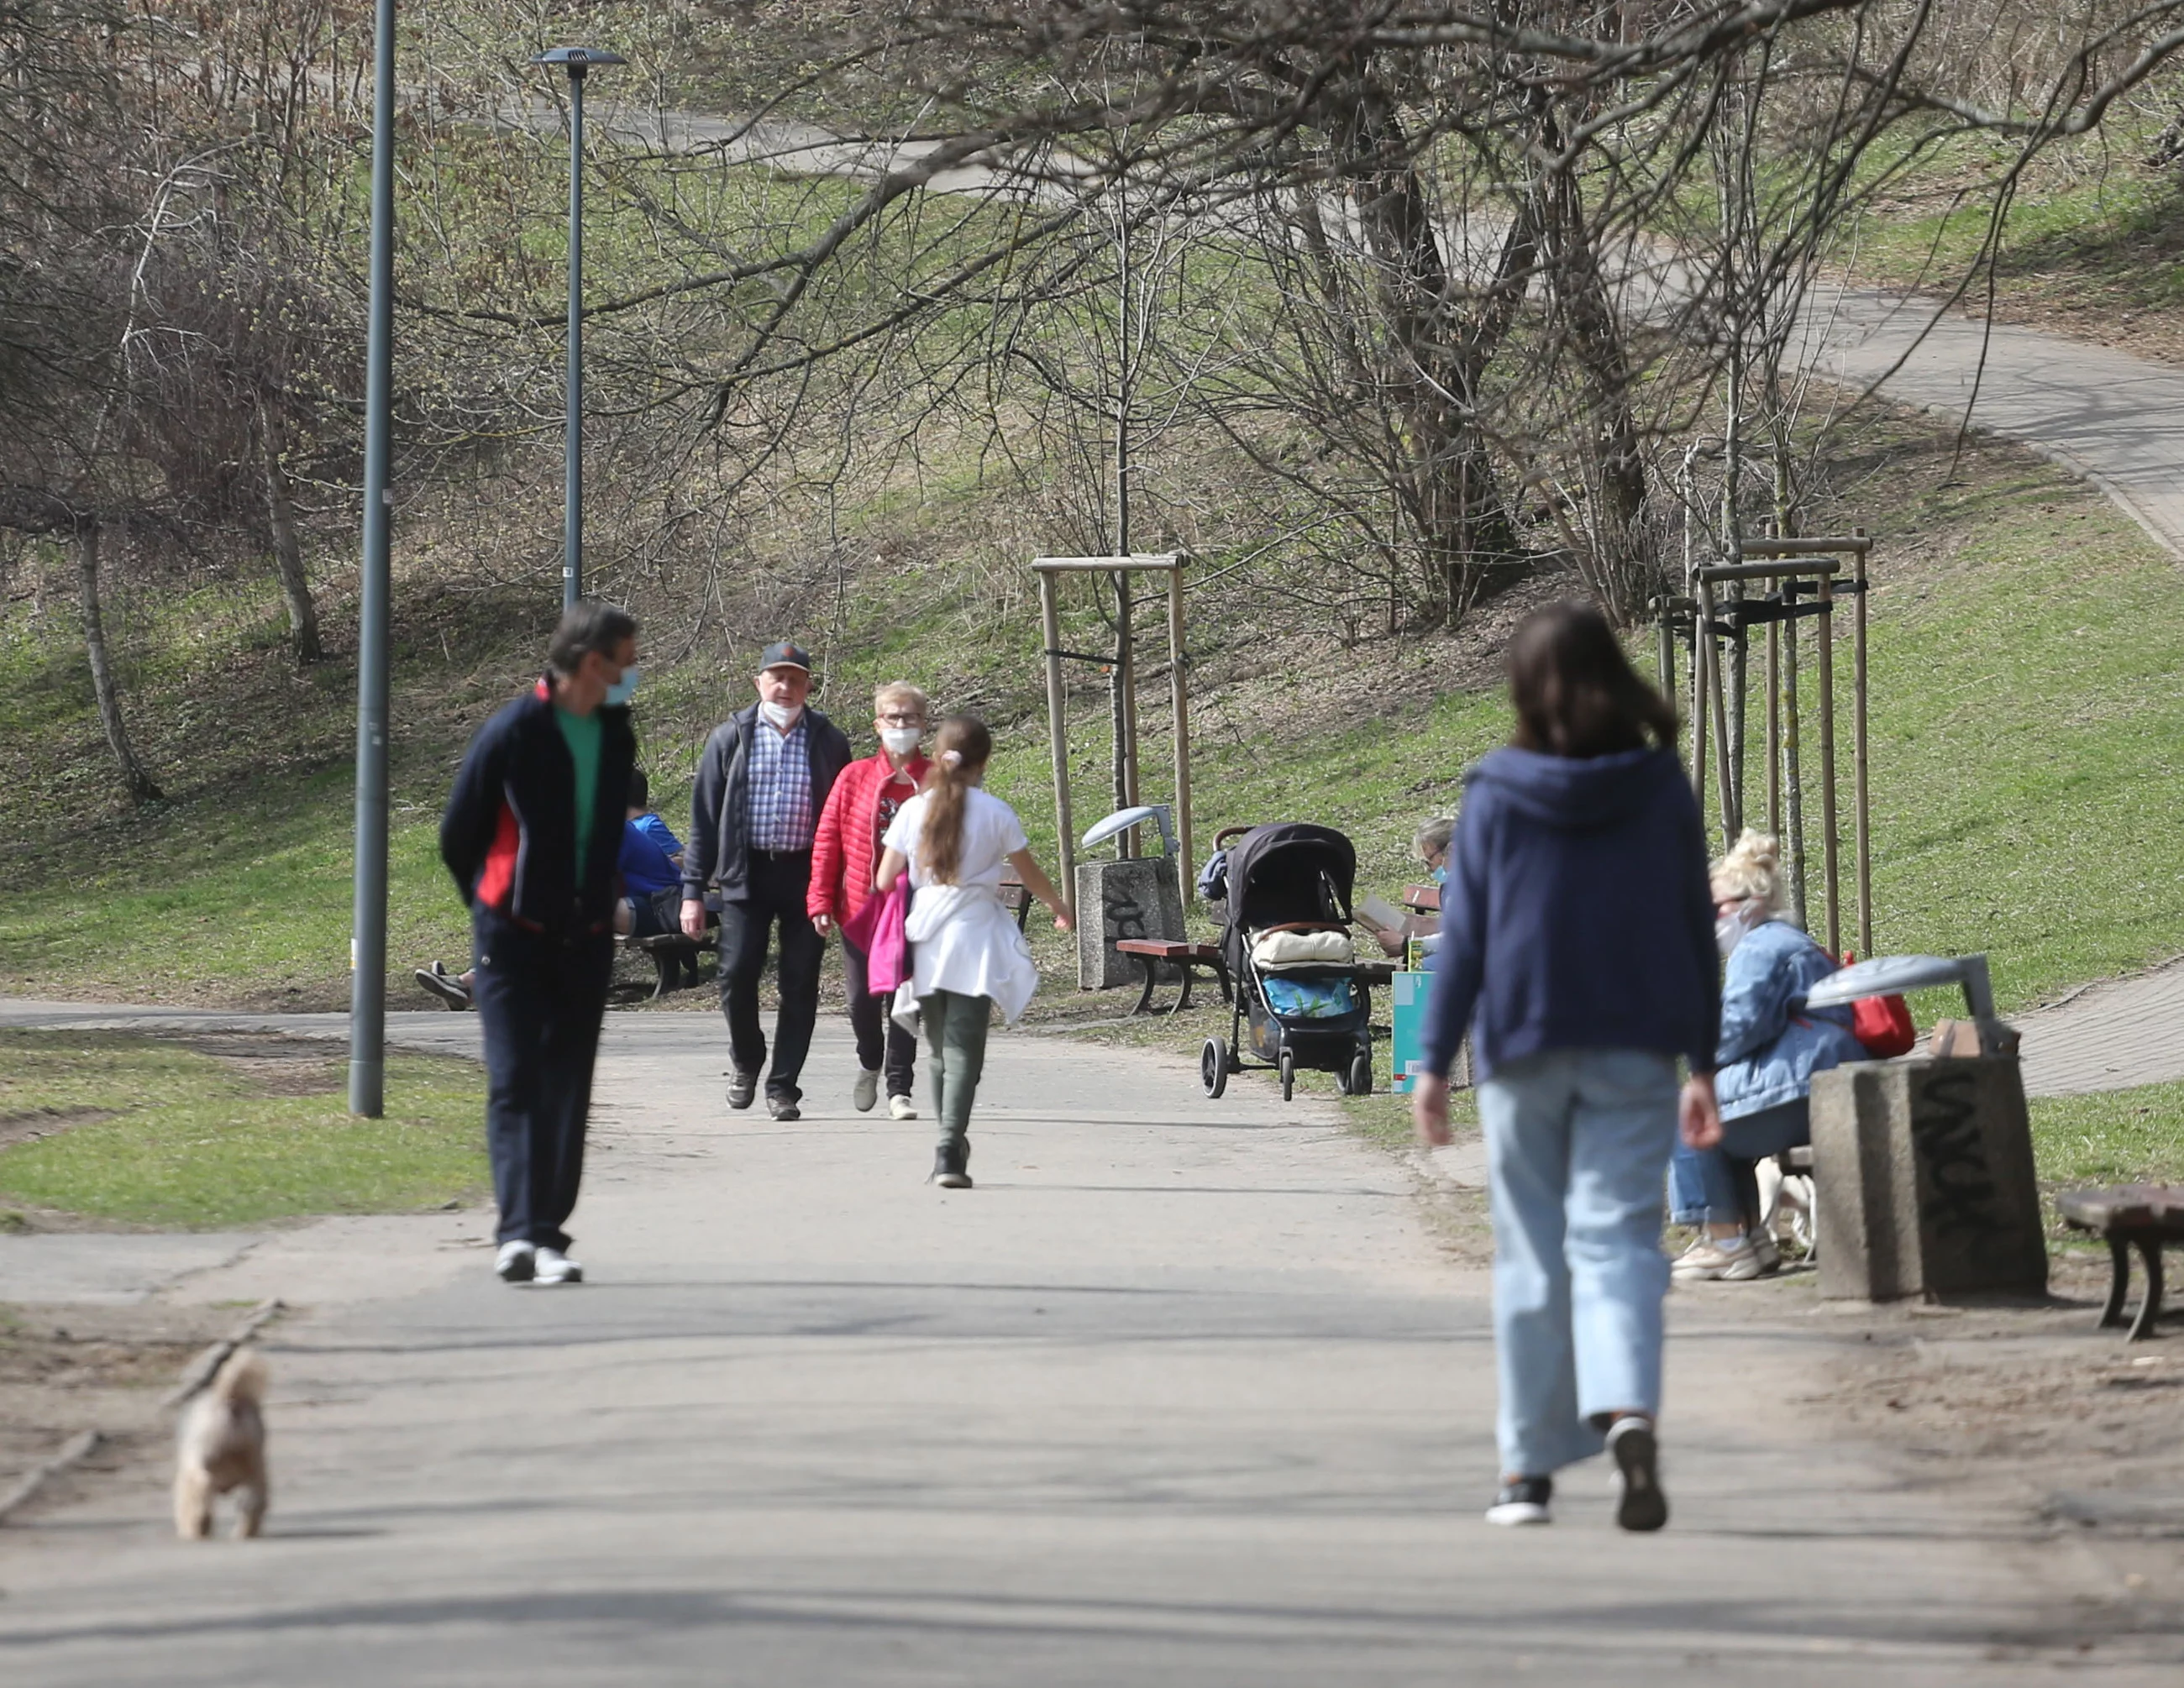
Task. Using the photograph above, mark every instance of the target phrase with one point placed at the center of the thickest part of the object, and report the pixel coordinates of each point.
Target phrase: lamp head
(576, 60)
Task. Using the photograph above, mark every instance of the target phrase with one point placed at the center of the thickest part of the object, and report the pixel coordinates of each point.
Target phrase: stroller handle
(1226, 833)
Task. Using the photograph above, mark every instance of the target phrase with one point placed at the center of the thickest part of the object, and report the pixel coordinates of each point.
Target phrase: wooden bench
(1016, 897)
(670, 953)
(2141, 1216)
(1422, 899)
(1150, 952)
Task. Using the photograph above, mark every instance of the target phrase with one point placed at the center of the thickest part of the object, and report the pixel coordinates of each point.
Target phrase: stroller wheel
(1213, 1066)
(1289, 1074)
(1360, 1080)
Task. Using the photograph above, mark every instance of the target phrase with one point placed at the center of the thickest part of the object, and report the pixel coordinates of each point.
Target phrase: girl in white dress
(967, 953)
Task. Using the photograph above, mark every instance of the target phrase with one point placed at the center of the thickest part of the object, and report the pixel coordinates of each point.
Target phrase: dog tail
(241, 1376)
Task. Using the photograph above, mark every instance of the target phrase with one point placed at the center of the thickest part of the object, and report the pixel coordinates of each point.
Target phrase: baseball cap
(785, 655)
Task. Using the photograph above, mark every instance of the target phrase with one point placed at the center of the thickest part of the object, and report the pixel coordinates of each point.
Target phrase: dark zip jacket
(718, 852)
(1577, 914)
(509, 833)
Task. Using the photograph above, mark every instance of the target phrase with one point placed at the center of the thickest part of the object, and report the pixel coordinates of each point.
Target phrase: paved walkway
(1182, 1393)
(2110, 1035)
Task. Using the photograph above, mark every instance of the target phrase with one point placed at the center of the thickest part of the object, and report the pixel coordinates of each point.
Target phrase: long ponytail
(960, 752)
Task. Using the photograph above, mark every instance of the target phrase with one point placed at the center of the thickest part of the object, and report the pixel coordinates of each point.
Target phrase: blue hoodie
(1577, 913)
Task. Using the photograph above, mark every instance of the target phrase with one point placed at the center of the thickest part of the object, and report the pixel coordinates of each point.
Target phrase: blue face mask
(623, 689)
(1440, 875)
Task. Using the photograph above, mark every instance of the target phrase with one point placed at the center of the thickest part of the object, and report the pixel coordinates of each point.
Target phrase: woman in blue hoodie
(1577, 945)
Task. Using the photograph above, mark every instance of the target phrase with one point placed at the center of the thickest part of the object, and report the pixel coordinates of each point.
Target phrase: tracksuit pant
(540, 998)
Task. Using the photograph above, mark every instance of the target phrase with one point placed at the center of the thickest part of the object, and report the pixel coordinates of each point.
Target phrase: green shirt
(581, 734)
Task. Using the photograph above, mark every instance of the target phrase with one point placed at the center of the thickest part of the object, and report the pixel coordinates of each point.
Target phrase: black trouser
(879, 1034)
(539, 1001)
(774, 889)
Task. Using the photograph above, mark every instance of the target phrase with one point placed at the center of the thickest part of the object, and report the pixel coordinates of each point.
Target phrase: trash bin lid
(1123, 819)
(1888, 976)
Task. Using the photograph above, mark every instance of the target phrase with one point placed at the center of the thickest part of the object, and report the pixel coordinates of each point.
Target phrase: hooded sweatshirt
(1577, 914)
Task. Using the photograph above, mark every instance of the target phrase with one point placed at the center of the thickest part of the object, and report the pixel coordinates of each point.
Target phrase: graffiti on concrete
(1124, 914)
(1960, 1192)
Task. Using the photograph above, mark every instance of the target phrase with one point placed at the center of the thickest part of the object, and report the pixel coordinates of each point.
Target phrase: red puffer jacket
(842, 859)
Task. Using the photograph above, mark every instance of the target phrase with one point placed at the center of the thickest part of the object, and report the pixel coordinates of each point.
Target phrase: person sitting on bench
(1767, 1057)
(651, 865)
(1429, 845)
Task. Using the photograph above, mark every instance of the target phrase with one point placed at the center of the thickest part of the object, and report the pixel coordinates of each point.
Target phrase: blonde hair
(901, 691)
(1752, 868)
(959, 749)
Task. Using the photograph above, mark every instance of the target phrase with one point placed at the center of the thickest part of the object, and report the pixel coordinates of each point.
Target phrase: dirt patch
(32, 1124)
(273, 1065)
(64, 1369)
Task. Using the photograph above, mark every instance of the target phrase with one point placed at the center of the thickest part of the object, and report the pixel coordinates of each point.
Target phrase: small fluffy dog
(222, 1447)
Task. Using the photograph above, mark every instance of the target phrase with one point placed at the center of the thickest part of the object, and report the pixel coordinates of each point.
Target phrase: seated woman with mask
(1429, 845)
(1768, 1056)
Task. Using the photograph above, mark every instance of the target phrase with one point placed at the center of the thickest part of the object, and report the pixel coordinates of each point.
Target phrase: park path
(1184, 1392)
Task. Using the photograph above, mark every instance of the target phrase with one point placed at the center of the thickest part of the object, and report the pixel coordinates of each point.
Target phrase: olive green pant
(955, 1032)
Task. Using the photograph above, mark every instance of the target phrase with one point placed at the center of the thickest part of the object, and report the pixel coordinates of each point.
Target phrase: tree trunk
(288, 548)
(137, 784)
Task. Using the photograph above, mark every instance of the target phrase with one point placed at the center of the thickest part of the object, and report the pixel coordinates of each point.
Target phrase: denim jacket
(1767, 1056)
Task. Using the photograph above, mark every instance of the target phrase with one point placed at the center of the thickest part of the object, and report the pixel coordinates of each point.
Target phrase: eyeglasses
(896, 718)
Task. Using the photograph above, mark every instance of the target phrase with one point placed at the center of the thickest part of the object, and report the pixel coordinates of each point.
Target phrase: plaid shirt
(781, 786)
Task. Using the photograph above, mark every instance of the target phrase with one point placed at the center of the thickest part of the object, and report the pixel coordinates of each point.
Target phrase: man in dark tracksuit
(762, 783)
(532, 834)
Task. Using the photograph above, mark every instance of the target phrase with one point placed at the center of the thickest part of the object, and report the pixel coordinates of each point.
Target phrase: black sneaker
(951, 1163)
(784, 1108)
(449, 991)
(1522, 1502)
(1637, 1454)
(742, 1088)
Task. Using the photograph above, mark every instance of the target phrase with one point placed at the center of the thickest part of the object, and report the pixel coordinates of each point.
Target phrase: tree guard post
(1120, 568)
(1057, 732)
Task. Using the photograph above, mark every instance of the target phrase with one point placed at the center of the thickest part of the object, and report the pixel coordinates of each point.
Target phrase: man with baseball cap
(762, 783)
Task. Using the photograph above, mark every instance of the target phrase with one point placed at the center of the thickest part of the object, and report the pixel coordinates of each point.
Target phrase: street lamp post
(577, 61)
(367, 956)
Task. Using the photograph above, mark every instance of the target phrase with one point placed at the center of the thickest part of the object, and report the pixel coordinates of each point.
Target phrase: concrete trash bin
(1141, 897)
(1923, 1169)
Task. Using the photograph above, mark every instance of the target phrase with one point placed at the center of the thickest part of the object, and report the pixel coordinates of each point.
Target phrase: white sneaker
(555, 1268)
(1729, 1259)
(517, 1263)
(868, 1088)
(901, 1107)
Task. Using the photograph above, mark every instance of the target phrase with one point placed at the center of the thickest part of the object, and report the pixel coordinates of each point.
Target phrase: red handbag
(1882, 1024)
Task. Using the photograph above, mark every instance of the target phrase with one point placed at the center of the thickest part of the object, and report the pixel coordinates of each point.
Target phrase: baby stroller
(1300, 999)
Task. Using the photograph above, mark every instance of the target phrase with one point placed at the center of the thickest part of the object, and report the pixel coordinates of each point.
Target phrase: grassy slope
(178, 1137)
(2092, 246)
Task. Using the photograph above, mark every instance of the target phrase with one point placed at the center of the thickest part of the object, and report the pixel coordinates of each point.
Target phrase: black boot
(952, 1162)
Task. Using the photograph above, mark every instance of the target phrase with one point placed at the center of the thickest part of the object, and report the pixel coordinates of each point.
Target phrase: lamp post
(367, 949)
(577, 61)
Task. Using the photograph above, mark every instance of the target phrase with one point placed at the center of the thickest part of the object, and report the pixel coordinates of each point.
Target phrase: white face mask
(900, 741)
(781, 715)
(1729, 929)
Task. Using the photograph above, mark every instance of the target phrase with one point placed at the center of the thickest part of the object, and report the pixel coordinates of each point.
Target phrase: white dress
(961, 936)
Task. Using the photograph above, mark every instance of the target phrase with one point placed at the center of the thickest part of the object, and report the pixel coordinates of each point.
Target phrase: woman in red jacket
(844, 851)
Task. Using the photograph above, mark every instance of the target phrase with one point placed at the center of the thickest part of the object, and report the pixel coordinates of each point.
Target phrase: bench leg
(1145, 1001)
(663, 971)
(2118, 1281)
(2149, 1252)
(1183, 1001)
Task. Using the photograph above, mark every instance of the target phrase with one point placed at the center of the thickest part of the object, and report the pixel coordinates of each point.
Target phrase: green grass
(2111, 1137)
(165, 1135)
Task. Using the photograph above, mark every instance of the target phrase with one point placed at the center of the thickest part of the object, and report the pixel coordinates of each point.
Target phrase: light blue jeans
(1577, 1147)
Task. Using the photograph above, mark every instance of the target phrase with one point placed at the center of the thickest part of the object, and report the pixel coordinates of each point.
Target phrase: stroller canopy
(1293, 871)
